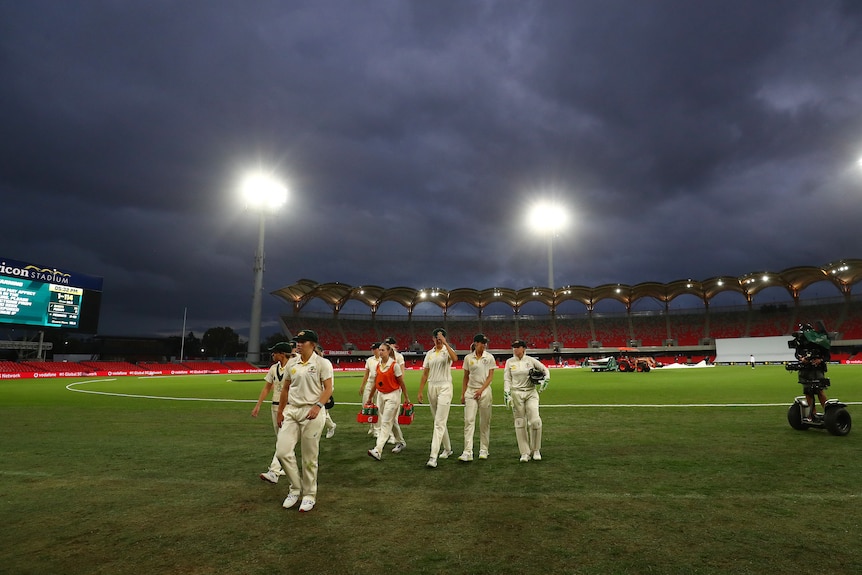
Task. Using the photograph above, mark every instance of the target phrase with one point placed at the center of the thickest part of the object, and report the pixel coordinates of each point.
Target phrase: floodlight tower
(548, 219)
(262, 193)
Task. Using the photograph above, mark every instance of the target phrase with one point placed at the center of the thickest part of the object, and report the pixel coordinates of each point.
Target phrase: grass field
(642, 473)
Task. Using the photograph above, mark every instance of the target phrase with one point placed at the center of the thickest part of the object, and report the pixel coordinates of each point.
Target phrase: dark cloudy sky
(687, 138)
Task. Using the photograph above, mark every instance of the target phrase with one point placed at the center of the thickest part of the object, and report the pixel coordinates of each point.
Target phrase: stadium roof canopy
(843, 274)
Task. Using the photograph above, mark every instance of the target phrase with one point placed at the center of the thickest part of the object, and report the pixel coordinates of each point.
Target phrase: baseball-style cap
(480, 338)
(375, 345)
(305, 335)
(281, 347)
(438, 330)
(390, 340)
(519, 343)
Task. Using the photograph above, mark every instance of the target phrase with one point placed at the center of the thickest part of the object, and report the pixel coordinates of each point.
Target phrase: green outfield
(672, 471)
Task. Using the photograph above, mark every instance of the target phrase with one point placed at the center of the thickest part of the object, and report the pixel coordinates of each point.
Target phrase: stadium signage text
(32, 272)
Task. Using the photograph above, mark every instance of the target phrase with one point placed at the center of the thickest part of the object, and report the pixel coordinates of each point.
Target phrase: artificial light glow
(261, 190)
(547, 217)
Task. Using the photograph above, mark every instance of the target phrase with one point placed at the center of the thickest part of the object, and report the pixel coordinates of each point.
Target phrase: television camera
(812, 354)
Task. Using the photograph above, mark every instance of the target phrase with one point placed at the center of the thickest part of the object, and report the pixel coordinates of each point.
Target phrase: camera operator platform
(812, 354)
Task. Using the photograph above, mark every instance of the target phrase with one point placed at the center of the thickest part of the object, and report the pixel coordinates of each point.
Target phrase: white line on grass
(71, 387)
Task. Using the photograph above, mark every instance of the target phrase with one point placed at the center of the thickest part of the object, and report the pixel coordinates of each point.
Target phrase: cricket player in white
(389, 382)
(302, 419)
(366, 388)
(281, 353)
(437, 373)
(522, 395)
(476, 396)
(396, 427)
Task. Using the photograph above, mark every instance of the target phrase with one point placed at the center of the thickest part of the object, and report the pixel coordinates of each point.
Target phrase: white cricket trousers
(387, 409)
(275, 466)
(440, 399)
(483, 407)
(528, 424)
(297, 429)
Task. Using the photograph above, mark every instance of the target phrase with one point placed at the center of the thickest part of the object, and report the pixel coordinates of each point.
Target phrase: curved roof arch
(844, 274)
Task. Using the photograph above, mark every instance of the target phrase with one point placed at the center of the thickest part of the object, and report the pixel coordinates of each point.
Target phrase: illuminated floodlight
(263, 193)
(262, 190)
(546, 217)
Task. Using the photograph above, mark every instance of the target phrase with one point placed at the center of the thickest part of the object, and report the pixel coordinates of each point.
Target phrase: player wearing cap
(281, 353)
(437, 373)
(366, 388)
(476, 396)
(521, 394)
(307, 388)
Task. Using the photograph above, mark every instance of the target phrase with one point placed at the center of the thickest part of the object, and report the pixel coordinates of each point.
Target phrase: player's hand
(255, 411)
(313, 412)
(507, 399)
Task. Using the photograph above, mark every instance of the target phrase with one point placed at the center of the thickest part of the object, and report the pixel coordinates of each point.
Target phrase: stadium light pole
(262, 193)
(548, 219)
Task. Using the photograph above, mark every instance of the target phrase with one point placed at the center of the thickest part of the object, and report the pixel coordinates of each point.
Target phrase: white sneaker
(331, 431)
(445, 454)
(525, 457)
(290, 500)
(306, 505)
(270, 476)
(399, 447)
(371, 431)
(432, 463)
(483, 454)
(374, 453)
(391, 440)
(466, 456)
(537, 456)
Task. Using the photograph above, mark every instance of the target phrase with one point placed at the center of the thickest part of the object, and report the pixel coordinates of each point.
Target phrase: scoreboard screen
(34, 295)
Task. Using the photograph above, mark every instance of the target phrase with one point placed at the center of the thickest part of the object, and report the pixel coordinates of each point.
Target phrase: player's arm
(507, 385)
(364, 382)
(264, 393)
(485, 385)
(466, 380)
(282, 402)
(399, 377)
(422, 383)
(322, 399)
(453, 357)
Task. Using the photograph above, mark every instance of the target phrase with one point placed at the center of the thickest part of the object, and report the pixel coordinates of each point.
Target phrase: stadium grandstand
(569, 324)
(585, 321)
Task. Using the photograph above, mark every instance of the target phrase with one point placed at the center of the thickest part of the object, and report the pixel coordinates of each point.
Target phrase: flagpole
(183, 335)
